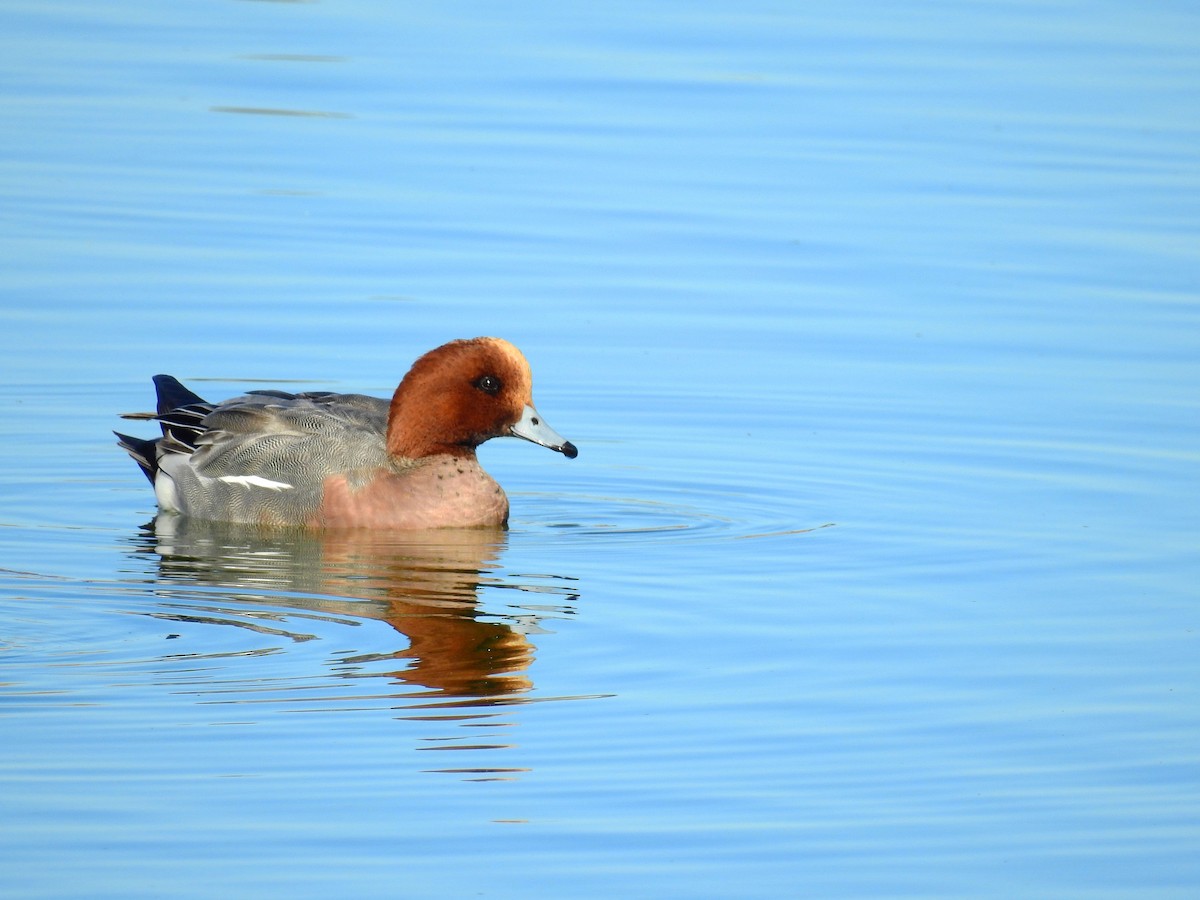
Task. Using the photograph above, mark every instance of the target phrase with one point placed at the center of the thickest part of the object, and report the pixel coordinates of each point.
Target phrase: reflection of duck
(330, 460)
(422, 583)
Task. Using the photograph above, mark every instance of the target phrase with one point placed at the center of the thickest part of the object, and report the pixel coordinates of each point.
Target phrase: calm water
(877, 327)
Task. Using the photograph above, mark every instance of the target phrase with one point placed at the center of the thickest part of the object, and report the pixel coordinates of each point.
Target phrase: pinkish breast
(440, 492)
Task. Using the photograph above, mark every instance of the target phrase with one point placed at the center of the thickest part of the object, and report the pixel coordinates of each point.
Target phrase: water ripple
(599, 518)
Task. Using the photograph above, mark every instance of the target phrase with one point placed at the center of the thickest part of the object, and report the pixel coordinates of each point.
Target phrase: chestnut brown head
(463, 393)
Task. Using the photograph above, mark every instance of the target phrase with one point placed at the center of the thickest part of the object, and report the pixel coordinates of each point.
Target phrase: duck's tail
(142, 451)
(173, 395)
(180, 414)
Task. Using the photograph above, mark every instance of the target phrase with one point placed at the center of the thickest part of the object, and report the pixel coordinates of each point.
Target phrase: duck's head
(463, 393)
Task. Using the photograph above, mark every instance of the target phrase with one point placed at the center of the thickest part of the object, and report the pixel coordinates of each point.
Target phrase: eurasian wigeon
(329, 460)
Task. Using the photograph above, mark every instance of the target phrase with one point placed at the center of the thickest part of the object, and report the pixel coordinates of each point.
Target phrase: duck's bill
(532, 427)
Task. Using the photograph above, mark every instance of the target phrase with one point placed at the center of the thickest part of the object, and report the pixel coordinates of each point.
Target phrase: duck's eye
(489, 384)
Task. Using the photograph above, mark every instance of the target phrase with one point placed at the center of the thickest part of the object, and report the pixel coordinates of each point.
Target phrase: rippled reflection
(426, 585)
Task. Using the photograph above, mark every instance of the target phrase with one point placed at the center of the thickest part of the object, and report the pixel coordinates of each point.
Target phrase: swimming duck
(327, 460)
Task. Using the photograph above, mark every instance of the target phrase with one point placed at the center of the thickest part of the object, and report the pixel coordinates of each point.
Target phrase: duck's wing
(289, 437)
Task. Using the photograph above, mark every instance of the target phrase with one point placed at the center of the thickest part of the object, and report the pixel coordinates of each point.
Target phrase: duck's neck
(416, 433)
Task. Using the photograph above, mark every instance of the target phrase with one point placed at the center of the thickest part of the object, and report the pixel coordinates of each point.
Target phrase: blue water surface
(877, 327)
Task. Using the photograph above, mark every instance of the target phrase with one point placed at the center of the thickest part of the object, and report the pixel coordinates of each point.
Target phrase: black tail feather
(142, 451)
(173, 395)
(180, 412)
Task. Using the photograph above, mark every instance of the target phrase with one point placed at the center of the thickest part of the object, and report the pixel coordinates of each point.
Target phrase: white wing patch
(249, 481)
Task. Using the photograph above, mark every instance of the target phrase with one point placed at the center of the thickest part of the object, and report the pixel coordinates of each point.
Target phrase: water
(876, 327)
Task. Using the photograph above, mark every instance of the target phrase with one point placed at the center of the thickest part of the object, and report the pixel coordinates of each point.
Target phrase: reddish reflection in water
(424, 584)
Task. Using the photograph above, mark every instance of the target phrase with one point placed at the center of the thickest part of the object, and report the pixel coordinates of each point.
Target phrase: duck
(324, 460)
